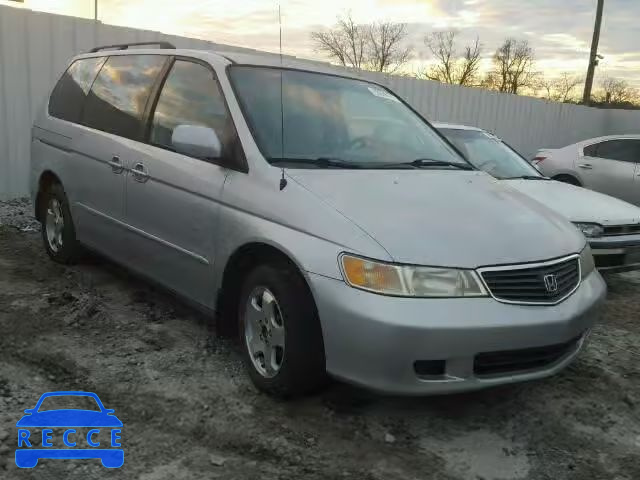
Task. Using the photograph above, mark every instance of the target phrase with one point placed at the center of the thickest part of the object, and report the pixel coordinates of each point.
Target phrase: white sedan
(612, 226)
(608, 165)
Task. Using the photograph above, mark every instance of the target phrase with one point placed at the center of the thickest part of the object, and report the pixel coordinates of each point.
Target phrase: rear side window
(190, 96)
(68, 96)
(119, 94)
(591, 150)
(623, 150)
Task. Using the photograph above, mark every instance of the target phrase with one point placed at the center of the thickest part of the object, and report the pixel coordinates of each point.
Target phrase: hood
(445, 217)
(69, 418)
(579, 204)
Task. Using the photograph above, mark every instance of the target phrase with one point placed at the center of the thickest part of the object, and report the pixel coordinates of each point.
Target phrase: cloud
(559, 32)
(565, 41)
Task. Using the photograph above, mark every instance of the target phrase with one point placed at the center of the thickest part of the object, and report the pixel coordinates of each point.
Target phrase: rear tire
(292, 337)
(58, 230)
(571, 180)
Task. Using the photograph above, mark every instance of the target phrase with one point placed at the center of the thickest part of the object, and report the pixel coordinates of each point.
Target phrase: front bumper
(616, 253)
(375, 341)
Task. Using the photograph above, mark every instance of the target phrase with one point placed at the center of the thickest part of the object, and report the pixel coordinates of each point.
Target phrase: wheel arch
(239, 264)
(47, 178)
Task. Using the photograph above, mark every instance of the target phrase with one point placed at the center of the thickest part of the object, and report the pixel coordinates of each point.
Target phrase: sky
(558, 30)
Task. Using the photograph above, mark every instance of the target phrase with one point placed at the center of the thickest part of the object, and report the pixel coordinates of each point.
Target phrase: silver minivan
(319, 216)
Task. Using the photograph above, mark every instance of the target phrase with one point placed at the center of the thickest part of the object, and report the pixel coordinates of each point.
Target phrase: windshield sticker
(379, 92)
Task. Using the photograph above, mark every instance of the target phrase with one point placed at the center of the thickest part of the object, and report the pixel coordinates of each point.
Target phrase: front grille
(621, 230)
(513, 361)
(524, 284)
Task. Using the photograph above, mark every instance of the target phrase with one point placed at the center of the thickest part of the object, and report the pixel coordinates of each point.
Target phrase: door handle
(586, 166)
(116, 164)
(140, 173)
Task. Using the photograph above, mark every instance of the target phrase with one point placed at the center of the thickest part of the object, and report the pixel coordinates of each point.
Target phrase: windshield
(323, 116)
(66, 402)
(489, 153)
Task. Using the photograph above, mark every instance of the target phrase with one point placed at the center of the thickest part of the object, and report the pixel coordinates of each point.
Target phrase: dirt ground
(189, 412)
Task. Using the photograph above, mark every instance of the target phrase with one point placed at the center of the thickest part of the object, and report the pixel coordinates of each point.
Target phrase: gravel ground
(189, 412)
(18, 214)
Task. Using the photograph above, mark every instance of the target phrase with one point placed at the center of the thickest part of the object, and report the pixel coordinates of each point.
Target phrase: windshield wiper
(526, 177)
(320, 162)
(428, 162)
(331, 162)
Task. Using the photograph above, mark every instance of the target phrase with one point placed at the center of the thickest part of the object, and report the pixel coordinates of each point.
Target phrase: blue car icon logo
(103, 430)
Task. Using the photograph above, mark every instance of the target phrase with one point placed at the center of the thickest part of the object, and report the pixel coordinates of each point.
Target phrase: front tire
(58, 230)
(280, 332)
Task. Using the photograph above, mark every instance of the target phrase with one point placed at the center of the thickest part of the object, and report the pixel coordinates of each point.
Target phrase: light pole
(95, 10)
(593, 56)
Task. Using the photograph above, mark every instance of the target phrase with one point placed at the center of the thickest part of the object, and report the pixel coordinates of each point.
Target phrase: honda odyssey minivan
(317, 213)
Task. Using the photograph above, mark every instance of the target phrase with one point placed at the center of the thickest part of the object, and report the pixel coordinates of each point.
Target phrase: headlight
(590, 230)
(587, 264)
(410, 281)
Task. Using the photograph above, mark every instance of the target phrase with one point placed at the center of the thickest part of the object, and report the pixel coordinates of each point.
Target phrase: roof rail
(125, 46)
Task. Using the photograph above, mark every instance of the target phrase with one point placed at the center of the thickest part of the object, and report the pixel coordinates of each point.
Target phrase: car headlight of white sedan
(410, 281)
(590, 230)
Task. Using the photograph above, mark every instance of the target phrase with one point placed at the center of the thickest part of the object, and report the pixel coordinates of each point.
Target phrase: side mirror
(109, 411)
(196, 141)
(29, 410)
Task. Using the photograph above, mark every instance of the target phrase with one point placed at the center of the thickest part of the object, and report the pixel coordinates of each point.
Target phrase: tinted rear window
(71, 90)
(119, 95)
(591, 150)
(624, 150)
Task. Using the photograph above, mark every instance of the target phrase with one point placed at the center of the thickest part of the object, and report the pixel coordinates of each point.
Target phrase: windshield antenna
(283, 180)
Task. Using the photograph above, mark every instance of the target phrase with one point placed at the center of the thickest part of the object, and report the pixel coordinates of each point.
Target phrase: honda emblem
(551, 283)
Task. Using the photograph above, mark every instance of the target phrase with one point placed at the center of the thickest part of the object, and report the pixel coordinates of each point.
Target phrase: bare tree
(513, 65)
(379, 46)
(451, 66)
(386, 50)
(567, 85)
(561, 89)
(615, 90)
(442, 48)
(346, 42)
(470, 63)
(548, 87)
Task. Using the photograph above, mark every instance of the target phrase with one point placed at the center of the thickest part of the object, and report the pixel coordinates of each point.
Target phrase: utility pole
(593, 56)
(95, 10)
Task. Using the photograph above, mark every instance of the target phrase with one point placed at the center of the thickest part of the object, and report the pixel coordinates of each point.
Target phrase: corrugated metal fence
(34, 48)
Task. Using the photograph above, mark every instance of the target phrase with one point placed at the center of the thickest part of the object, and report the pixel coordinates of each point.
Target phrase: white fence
(34, 48)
